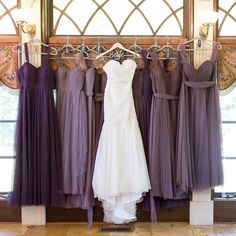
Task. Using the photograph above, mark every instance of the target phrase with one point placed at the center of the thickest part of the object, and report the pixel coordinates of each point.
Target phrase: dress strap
(153, 55)
(144, 56)
(26, 52)
(48, 53)
(59, 60)
(80, 58)
(215, 51)
(183, 52)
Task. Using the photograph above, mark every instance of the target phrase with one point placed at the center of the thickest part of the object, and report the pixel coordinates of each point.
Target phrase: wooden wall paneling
(178, 214)
(9, 214)
(225, 211)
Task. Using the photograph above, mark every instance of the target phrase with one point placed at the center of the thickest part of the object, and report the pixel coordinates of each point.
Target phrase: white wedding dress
(120, 175)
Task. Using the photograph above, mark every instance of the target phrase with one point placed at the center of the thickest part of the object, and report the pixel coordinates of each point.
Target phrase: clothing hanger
(98, 48)
(32, 41)
(120, 46)
(69, 48)
(167, 49)
(153, 47)
(135, 47)
(199, 44)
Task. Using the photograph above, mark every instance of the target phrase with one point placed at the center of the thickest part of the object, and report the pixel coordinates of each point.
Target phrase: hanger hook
(135, 42)
(155, 37)
(167, 40)
(83, 40)
(67, 39)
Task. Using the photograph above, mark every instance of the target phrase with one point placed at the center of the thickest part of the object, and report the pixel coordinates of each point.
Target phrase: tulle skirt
(120, 176)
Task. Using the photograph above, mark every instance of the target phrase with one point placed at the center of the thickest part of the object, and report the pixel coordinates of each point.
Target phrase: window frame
(107, 41)
(6, 38)
(227, 41)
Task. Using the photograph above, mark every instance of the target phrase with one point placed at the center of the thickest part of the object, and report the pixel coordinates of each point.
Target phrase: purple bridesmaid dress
(199, 164)
(162, 136)
(38, 160)
(146, 103)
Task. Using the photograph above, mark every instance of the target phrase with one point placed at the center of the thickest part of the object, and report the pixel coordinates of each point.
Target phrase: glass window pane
(226, 4)
(100, 25)
(6, 25)
(8, 103)
(228, 106)
(229, 25)
(180, 16)
(229, 136)
(2, 10)
(66, 27)
(7, 139)
(229, 177)
(10, 3)
(151, 12)
(80, 12)
(6, 174)
(175, 4)
(100, 2)
(171, 27)
(142, 29)
(60, 3)
(56, 14)
(136, 2)
(123, 9)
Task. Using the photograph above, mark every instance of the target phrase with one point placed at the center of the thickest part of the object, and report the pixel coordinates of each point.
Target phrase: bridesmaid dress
(146, 103)
(94, 88)
(72, 121)
(199, 164)
(162, 136)
(38, 170)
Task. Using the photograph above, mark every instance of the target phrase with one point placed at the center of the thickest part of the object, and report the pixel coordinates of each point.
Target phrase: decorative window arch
(6, 18)
(227, 19)
(132, 17)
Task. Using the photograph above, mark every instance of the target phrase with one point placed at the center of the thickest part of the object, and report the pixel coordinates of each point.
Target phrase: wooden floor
(141, 229)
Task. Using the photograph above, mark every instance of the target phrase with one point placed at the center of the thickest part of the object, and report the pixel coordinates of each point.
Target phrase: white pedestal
(201, 209)
(33, 215)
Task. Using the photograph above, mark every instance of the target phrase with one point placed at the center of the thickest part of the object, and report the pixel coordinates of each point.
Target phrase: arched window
(68, 19)
(227, 19)
(8, 97)
(98, 17)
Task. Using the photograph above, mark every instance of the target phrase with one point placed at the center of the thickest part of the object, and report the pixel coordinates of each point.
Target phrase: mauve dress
(94, 88)
(146, 103)
(199, 164)
(38, 172)
(72, 121)
(162, 136)
(99, 89)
